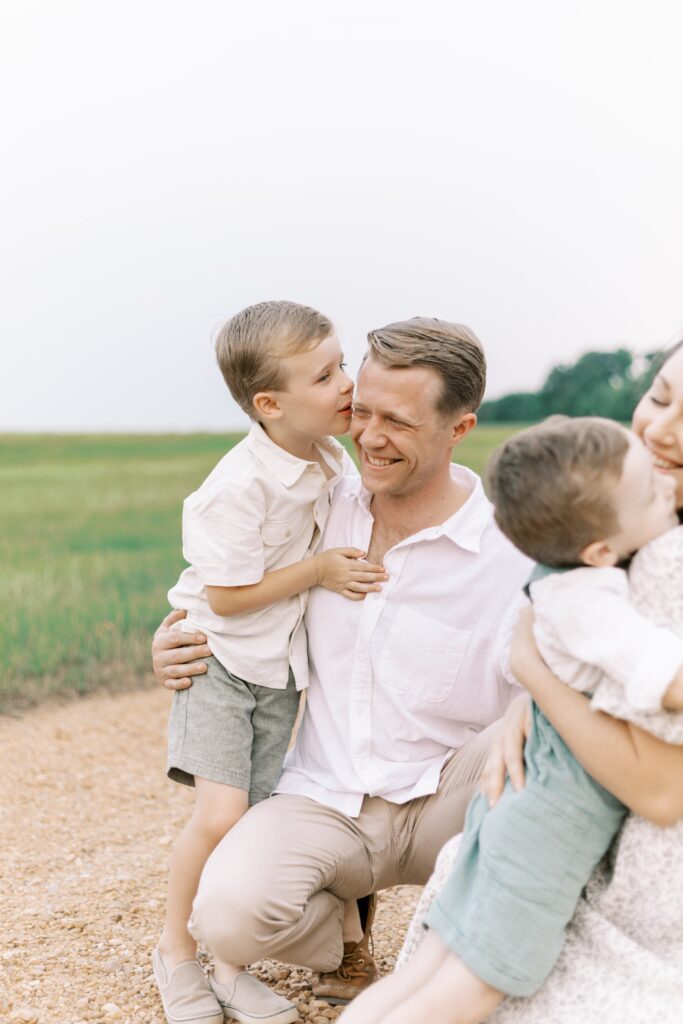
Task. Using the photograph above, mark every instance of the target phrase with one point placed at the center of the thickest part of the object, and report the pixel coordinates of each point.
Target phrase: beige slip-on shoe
(249, 1001)
(185, 993)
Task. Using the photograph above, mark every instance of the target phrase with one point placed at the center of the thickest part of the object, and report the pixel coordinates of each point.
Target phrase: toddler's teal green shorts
(522, 865)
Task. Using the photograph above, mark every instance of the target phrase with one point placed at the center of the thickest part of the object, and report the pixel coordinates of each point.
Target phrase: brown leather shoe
(357, 969)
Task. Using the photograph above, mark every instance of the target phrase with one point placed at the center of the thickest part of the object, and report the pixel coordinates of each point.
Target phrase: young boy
(250, 533)
(568, 493)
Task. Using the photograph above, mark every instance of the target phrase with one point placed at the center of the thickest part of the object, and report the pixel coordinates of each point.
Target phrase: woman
(624, 949)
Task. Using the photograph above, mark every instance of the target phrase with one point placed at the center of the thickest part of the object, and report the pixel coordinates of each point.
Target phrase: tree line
(597, 384)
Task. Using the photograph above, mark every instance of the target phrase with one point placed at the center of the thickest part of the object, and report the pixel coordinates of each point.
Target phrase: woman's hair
(664, 356)
(659, 361)
(553, 486)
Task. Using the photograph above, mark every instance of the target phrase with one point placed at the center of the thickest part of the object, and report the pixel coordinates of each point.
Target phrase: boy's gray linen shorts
(227, 730)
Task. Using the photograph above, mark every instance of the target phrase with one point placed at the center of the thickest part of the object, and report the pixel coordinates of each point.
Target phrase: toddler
(250, 534)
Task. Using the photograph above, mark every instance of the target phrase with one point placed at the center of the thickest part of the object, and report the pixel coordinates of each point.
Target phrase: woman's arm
(673, 698)
(641, 770)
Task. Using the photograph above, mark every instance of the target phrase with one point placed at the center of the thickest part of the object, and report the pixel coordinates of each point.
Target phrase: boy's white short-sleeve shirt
(260, 509)
(587, 627)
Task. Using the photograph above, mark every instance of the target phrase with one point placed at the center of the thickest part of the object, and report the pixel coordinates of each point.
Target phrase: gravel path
(87, 820)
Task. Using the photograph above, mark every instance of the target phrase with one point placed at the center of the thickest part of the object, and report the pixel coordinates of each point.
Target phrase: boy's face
(644, 500)
(318, 396)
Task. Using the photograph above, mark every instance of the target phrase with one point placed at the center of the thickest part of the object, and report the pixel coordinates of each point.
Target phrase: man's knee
(238, 913)
(222, 911)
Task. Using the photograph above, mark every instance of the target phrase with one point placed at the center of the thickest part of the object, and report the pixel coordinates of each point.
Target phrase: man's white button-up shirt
(399, 680)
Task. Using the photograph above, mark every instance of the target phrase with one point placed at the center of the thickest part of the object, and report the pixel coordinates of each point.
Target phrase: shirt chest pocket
(421, 657)
(282, 532)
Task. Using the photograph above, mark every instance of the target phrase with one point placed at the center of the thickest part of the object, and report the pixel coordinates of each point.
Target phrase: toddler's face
(645, 501)
(318, 397)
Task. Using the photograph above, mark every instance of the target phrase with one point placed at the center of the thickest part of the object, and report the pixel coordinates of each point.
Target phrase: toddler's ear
(599, 553)
(266, 406)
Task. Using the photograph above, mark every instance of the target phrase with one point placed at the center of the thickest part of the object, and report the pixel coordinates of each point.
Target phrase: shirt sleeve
(590, 612)
(222, 535)
(505, 632)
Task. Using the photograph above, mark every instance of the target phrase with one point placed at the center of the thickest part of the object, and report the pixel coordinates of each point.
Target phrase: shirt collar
(465, 527)
(286, 467)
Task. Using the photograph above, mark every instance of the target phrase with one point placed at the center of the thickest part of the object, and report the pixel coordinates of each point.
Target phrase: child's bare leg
(217, 808)
(374, 1004)
(454, 995)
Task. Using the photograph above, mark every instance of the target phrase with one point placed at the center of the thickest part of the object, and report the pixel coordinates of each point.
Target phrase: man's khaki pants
(276, 884)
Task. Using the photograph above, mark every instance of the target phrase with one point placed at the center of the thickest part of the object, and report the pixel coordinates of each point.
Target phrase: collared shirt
(402, 678)
(260, 509)
(586, 627)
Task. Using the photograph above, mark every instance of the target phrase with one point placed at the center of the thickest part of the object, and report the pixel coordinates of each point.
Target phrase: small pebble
(24, 1015)
(112, 1011)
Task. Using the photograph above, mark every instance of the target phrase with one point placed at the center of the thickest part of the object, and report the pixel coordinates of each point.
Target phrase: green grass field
(89, 545)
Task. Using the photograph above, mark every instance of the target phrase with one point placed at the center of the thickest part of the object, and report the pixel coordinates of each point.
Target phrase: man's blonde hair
(251, 345)
(453, 350)
(553, 486)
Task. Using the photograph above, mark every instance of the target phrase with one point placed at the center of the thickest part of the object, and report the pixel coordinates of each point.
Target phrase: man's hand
(343, 571)
(176, 655)
(506, 755)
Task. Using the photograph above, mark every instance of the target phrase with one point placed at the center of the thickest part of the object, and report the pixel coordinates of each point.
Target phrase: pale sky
(515, 166)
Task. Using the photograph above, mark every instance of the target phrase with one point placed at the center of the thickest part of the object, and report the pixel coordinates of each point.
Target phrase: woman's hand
(506, 755)
(176, 655)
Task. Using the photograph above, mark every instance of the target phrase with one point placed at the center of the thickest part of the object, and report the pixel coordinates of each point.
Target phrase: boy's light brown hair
(553, 486)
(251, 345)
(453, 350)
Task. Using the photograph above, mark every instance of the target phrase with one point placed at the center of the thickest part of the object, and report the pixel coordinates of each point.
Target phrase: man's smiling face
(401, 439)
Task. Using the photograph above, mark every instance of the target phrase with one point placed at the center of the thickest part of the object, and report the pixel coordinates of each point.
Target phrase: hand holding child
(343, 571)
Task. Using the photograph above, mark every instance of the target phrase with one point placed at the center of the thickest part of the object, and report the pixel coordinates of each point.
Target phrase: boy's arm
(338, 569)
(223, 540)
(641, 770)
(590, 611)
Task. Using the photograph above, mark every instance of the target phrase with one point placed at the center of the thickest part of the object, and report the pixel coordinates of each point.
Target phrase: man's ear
(462, 427)
(266, 406)
(599, 553)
